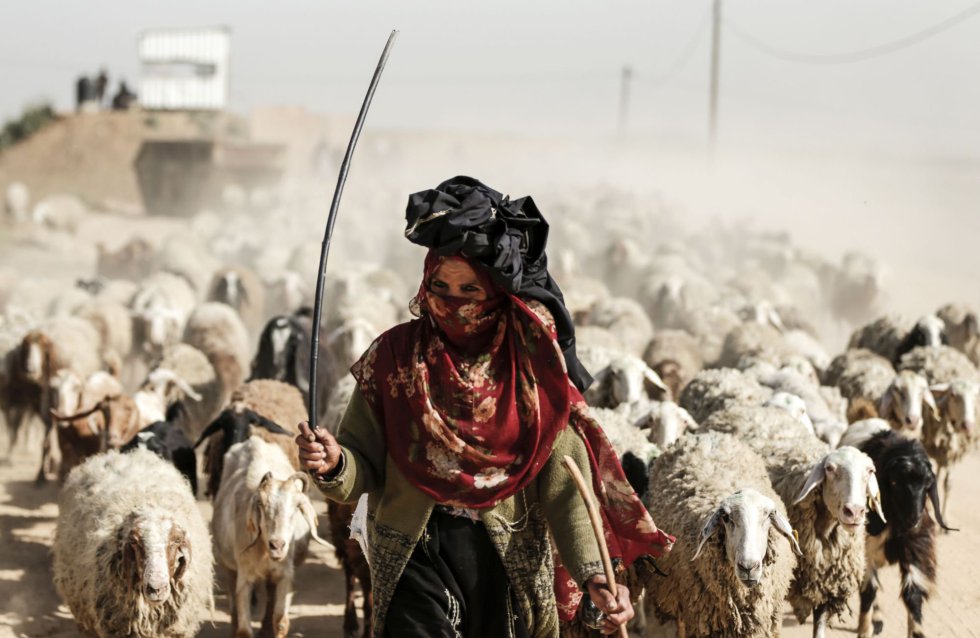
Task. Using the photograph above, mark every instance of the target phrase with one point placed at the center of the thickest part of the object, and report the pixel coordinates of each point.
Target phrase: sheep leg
(868, 625)
(280, 616)
(243, 601)
(681, 629)
(947, 484)
(913, 594)
(368, 606)
(350, 610)
(820, 621)
(268, 612)
(230, 579)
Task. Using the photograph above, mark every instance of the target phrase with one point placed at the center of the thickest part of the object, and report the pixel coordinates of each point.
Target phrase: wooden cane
(600, 536)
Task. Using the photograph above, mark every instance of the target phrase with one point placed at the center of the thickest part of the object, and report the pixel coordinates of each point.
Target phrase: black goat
(928, 331)
(284, 351)
(168, 440)
(909, 535)
(234, 427)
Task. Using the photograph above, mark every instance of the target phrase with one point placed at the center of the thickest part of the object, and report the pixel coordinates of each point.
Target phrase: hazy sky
(550, 66)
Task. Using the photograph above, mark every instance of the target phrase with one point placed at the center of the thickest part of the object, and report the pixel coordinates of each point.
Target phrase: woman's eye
(469, 288)
(438, 284)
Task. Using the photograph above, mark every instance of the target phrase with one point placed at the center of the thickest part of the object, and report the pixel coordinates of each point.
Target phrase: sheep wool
(686, 485)
(104, 503)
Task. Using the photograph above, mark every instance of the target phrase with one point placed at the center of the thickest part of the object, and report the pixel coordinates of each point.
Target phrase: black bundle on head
(465, 216)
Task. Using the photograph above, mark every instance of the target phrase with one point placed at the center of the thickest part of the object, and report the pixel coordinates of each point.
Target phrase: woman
(456, 433)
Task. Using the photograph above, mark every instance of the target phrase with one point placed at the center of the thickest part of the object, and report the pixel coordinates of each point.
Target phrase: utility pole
(624, 98)
(715, 63)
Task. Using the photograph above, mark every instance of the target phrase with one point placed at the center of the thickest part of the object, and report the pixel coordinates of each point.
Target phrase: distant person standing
(101, 86)
(84, 94)
(124, 98)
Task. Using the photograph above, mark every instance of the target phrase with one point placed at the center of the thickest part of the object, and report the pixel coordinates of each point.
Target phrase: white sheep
(728, 575)
(132, 554)
(676, 357)
(263, 522)
(17, 202)
(753, 341)
(160, 310)
(217, 330)
(183, 374)
(826, 495)
(873, 389)
(951, 433)
(626, 319)
(793, 405)
(718, 388)
(60, 212)
(184, 255)
(664, 422)
(625, 380)
(962, 326)
(240, 288)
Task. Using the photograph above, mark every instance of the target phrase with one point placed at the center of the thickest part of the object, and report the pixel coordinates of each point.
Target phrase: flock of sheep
(176, 369)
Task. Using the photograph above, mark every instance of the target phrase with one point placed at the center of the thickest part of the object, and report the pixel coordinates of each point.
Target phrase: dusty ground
(30, 607)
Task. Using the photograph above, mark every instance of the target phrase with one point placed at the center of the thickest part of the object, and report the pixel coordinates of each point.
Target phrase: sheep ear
(817, 476)
(707, 532)
(654, 385)
(688, 420)
(251, 525)
(930, 401)
(309, 514)
(874, 496)
(266, 482)
(886, 406)
(783, 527)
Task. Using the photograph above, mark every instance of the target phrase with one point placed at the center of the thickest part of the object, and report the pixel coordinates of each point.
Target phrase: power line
(682, 58)
(853, 56)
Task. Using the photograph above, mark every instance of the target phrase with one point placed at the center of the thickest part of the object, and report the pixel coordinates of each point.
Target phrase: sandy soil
(32, 608)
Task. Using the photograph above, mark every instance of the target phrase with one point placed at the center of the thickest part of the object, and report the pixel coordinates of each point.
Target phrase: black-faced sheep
(132, 554)
(892, 336)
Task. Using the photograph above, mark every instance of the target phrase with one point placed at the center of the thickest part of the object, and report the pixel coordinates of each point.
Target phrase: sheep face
(281, 336)
(160, 327)
(628, 380)
(744, 520)
(902, 402)
(34, 356)
(67, 389)
(792, 404)
(274, 506)
(929, 331)
(156, 554)
(348, 342)
(848, 481)
(957, 402)
(667, 423)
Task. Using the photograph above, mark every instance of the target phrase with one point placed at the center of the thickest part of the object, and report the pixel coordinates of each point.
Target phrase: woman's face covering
(456, 278)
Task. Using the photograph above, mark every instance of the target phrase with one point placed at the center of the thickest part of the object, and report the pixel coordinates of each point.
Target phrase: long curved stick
(332, 219)
(596, 521)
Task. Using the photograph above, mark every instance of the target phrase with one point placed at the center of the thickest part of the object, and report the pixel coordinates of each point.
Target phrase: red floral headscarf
(473, 394)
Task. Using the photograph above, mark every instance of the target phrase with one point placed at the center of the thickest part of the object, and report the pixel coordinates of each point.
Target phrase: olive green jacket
(518, 526)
